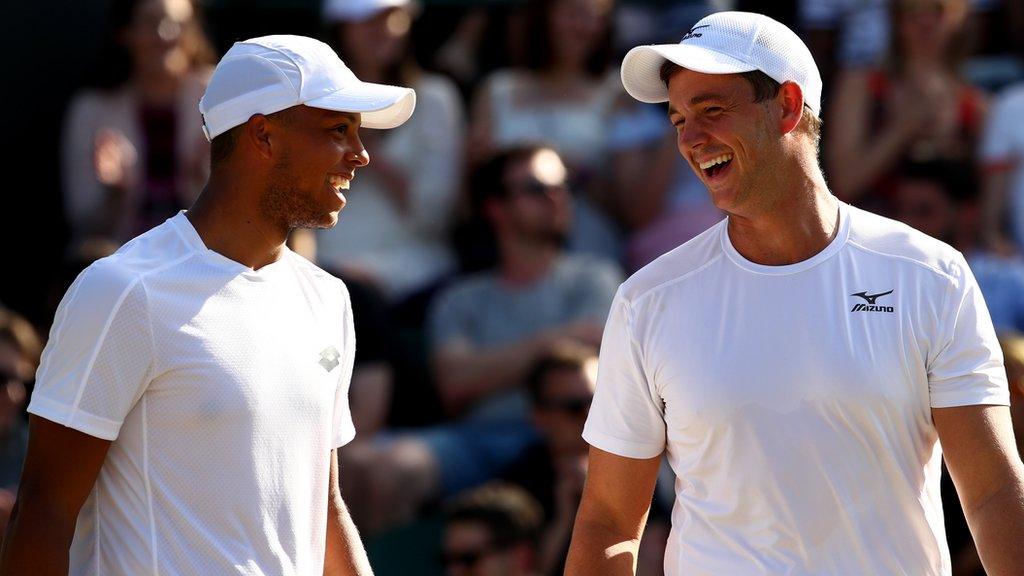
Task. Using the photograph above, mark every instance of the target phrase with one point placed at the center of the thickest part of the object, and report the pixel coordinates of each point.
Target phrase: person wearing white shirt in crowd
(194, 389)
(805, 365)
(1002, 162)
(396, 236)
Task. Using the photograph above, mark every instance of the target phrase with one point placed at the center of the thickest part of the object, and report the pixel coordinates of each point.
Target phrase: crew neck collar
(191, 236)
(830, 250)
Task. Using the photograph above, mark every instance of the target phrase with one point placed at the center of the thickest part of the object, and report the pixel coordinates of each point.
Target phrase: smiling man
(194, 389)
(805, 365)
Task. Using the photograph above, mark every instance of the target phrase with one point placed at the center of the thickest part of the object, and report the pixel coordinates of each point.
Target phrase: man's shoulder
(159, 249)
(676, 264)
(471, 286)
(586, 266)
(320, 278)
(883, 237)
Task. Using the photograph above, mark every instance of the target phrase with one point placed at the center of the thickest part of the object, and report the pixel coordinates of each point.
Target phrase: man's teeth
(715, 161)
(338, 182)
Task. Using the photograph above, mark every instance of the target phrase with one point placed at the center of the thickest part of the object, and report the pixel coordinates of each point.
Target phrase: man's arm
(344, 555)
(60, 470)
(981, 455)
(466, 373)
(612, 514)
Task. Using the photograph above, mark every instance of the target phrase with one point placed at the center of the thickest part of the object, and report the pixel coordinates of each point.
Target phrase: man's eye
(713, 110)
(343, 129)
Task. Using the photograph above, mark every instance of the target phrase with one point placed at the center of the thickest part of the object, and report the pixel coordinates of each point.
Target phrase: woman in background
(917, 109)
(562, 95)
(395, 230)
(133, 151)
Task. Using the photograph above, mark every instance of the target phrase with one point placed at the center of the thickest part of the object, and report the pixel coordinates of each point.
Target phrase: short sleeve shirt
(794, 402)
(223, 391)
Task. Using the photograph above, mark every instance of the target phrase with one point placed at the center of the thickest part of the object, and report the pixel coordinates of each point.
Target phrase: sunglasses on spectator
(535, 188)
(465, 558)
(570, 406)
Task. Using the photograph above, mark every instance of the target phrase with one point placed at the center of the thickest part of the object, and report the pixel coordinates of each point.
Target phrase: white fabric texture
(1002, 146)
(795, 413)
(223, 390)
(271, 73)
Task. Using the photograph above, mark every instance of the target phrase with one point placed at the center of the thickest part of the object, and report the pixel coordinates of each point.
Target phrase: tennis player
(805, 365)
(195, 385)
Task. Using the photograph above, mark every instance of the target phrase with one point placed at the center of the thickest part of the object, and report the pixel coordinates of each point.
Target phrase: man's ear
(257, 133)
(791, 104)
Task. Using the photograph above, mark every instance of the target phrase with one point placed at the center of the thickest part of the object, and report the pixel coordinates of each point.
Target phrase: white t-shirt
(794, 402)
(223, 390)
(1003, 146)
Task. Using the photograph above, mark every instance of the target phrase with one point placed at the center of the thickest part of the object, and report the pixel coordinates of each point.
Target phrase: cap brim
(381, 105)
(642, 65)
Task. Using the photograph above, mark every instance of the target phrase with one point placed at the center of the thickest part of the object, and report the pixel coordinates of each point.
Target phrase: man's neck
(795, 227)
(523, 262)
(231, 225)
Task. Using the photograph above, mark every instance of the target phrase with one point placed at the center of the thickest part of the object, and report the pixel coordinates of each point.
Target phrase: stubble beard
(287, 204)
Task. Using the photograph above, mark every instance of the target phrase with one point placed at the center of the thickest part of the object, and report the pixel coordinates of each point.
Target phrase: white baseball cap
(726, 43)
(357, 10)
(268, 74)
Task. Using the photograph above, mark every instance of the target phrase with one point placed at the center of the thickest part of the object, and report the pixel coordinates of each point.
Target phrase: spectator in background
(396, 235)
(133, 152)
(486, 331)
(491, 531)
(20, 347)
(562, 96)
(932, 199)
(561, 386)
(845, 33)
(916, 108)
(1002, 165)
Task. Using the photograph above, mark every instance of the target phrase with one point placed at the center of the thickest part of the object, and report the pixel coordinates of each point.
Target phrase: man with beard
(486, 331)
(195, 385)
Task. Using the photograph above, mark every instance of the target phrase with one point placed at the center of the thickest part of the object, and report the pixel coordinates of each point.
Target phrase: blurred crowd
(483, 244)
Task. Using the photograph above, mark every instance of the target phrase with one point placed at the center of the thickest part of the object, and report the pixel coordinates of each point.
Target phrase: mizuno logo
(693, 34)
(870, 299)
(329, 358)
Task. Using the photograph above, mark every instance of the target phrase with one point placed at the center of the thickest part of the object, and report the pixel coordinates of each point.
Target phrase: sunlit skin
(278, 178)
(773, 172)
(314, 145)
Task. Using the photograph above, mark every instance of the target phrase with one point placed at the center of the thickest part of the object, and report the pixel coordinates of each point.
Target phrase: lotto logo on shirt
(869, 304)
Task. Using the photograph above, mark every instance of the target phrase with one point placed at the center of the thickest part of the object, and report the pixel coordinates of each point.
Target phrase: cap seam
(753, 39)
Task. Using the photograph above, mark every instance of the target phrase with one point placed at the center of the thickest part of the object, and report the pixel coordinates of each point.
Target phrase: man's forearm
(36, 543)
(997, 525)
(345, 555)
(473, 375)
(596, 549)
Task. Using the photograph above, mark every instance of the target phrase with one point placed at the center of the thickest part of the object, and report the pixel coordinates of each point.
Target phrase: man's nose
(691, 135)
(359, 157)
